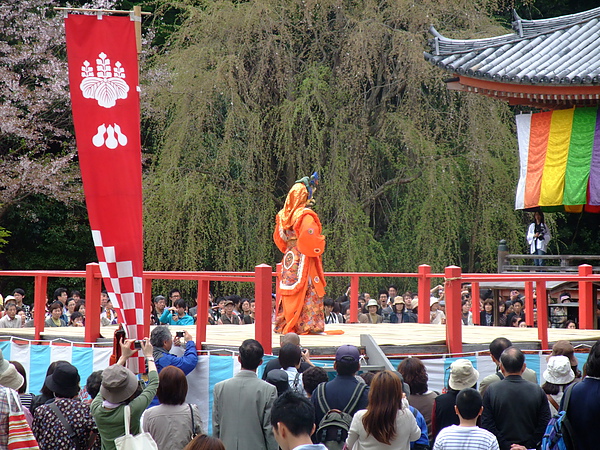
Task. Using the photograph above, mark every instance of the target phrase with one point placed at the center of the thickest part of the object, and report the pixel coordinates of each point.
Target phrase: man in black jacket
(515, 410)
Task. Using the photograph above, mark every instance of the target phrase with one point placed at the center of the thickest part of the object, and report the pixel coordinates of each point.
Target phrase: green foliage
(47, 235)
(264, 92)
(4, 233)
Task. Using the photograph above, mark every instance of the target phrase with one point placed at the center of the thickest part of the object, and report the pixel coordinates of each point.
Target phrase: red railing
(262, 277)
(453, 279)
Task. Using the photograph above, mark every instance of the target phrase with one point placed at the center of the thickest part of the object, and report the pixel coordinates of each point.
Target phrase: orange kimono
(302, 285)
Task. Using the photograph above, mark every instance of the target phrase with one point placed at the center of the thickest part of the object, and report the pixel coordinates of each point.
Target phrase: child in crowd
(467, 435)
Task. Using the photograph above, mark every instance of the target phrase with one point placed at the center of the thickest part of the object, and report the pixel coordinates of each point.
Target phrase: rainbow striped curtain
(560, 160)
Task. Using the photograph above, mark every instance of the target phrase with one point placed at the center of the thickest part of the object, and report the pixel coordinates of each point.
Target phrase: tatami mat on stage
(397, 335)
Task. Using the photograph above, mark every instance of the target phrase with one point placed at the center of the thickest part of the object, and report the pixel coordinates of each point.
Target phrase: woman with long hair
(415, 375)
(502, 316)
(387, 422)
(246, 312)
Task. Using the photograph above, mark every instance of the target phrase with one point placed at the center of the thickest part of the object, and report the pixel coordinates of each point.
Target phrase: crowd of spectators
(389, 307)
(290, 408)
(64, 416)
(503, 411)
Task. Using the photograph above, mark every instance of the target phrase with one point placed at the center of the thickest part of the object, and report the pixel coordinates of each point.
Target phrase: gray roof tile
(561, 50)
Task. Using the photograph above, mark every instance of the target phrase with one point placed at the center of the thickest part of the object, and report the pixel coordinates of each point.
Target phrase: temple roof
(546, 52)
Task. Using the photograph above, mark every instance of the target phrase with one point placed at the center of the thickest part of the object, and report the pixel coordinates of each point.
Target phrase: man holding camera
(162, 341)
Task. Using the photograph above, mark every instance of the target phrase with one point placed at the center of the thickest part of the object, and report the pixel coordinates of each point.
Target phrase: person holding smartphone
(176, 315)
(162, 341)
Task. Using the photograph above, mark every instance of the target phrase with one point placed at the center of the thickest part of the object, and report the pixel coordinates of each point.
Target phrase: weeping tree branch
(385, 187)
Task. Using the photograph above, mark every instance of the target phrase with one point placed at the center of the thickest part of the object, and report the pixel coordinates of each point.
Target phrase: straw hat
(462, 375)
(559, 370)
(399, 300)
(415, 302)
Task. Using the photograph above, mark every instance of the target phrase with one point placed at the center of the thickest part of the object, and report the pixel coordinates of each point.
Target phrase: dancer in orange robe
(302, 287)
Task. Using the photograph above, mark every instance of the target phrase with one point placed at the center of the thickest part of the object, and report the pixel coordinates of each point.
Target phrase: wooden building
(546, 63)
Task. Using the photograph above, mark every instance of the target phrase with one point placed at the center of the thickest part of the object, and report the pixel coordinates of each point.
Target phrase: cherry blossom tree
(36, 139)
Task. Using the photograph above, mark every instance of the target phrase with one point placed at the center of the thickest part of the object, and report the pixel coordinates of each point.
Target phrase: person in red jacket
(302, 287)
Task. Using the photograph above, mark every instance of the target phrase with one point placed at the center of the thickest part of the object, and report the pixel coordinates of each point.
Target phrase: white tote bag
(142, 441)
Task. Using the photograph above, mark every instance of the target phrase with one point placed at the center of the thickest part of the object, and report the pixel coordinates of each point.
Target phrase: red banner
(103, 77)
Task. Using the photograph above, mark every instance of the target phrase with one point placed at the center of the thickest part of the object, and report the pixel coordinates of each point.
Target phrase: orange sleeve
(279, 242)
(310, 240)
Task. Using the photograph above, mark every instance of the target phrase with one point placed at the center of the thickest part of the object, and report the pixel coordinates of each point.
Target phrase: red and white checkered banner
(103, 77)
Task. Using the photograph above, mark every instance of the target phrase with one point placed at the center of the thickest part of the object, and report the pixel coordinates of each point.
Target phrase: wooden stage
(394, 339)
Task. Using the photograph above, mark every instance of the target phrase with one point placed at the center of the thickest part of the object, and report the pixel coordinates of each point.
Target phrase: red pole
(93, 289)
(278, 272)
(453, 309)
(148, 301)
(39, 304)
(475, 309)
(542, 313)
(529, 304)
(354, 299)
(587, 305)
(424, 291)
(262, 295)
(202, 312)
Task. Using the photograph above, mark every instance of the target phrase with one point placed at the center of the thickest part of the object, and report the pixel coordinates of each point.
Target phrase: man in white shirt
(330, 316)
(467, 435)
(10, 318)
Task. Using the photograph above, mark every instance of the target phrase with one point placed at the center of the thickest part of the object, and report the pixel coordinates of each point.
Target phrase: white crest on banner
(110, 135)
(107, 85)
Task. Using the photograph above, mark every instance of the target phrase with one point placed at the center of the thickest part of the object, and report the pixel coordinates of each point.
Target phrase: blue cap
(347, 353)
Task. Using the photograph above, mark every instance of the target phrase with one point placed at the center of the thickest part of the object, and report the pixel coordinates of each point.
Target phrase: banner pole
(137, 18)
(104, 11)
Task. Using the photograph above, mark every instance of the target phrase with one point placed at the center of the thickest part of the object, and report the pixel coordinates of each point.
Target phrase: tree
(264, 92)
(36, 142)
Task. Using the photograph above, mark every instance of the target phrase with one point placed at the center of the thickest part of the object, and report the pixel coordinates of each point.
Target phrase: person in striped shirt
(467, 435)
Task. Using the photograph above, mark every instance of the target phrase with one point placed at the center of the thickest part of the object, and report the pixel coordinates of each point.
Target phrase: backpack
(559, 433)
(333, 427)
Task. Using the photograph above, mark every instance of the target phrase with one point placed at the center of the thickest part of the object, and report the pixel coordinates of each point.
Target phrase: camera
(137, 345)
(179, 334)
